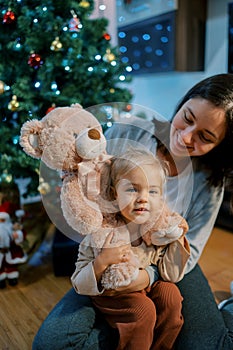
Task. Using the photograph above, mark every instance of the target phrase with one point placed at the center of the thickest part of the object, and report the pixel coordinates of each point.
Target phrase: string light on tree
(17, 45)
(98, 57)
(122, 77)
(37, 84)
(54, 86)
(128, 69)
(5, 177)
(15, 140)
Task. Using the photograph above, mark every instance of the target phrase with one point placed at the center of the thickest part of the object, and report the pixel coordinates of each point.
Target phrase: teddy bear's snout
(94, 134)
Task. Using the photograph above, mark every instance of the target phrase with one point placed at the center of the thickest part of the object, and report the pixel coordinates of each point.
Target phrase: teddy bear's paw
(164, 237)
(119, 275)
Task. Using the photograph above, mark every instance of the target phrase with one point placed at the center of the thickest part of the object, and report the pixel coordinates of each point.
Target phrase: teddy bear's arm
(170, 227)
(81, 214)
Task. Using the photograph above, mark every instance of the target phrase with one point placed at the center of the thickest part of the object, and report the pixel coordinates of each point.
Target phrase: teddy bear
(71, 141)
(53, 140)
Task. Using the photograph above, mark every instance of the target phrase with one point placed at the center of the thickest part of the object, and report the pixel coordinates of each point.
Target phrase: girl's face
(197, 128)
(138, 194)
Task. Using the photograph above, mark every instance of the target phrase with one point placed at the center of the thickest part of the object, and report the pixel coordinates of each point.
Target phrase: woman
(201, 130)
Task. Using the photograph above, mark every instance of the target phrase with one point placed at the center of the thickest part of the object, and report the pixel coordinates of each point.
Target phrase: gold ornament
(85, 4)
(13, 105)
(56, 45)
(43, 188)
(109, 56)
(2, 87)
(112, 91)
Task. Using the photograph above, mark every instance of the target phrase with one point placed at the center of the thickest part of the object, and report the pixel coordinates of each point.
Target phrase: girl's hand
(110, 254)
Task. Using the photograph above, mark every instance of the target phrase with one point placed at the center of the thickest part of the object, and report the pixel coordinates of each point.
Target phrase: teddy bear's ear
(29, 138)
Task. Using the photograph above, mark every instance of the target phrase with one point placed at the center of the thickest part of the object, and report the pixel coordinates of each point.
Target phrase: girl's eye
(154, 192)
(131, 189)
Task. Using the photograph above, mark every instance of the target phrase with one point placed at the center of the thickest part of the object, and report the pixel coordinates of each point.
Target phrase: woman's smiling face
(197, 128)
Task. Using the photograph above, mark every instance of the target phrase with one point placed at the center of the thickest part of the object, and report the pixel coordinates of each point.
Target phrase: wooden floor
(25, 306)
(217, 262)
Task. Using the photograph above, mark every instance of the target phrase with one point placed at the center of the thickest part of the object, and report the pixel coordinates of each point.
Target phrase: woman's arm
(201, 217)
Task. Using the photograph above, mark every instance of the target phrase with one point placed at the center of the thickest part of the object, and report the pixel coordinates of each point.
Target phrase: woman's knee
(70, 323)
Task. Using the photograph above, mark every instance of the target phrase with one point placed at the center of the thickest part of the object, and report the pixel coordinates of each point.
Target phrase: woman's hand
(110, 254)
(142, 282)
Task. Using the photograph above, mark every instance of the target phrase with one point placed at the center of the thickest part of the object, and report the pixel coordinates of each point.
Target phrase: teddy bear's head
(55, 138)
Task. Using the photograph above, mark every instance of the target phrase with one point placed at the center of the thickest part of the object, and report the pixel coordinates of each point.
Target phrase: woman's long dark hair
(218, 90)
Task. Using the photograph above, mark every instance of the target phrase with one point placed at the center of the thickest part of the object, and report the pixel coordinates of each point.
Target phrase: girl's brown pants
(145, 320)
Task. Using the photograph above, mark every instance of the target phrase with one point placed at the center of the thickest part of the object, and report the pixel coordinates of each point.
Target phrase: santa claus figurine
(11, 253)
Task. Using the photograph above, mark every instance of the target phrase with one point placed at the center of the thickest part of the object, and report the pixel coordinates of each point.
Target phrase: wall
(161, 92)
(110, 13)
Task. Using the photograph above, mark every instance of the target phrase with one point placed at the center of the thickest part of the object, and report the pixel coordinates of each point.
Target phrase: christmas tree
(52, 54)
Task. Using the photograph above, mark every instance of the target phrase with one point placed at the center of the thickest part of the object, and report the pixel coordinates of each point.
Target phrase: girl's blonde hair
(131, 159)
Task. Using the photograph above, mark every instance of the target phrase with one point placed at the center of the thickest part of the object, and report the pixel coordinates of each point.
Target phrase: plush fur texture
(70, 140)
